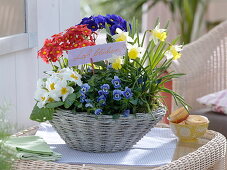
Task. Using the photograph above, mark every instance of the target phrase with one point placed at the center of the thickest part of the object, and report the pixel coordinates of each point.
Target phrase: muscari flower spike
(105, 88)
(127, 93)
(117, 94)
(116, 82)
(84, 88)
(98, 111)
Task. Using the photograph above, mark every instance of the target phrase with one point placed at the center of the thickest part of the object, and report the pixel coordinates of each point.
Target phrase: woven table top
(208, 152)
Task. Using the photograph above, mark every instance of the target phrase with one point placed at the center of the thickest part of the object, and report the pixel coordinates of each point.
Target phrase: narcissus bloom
(122, 36)
(116, 64)
(174, 52)
(134, 51)
(158, 34)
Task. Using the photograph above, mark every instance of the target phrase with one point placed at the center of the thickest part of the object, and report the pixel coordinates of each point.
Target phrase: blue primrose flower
(116, 82)
(126, 113)
(127, 93)
(114, 27)
(100, 21)
(113, 19)
(98, 111)
(117, 94)
(90, 22)
(105, 88)
(84, 88)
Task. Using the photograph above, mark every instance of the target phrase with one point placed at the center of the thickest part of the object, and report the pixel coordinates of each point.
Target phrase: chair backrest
(204, 62)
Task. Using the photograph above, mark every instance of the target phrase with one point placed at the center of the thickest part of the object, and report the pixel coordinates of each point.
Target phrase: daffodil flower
(134, 51)
(174, 52)
(116, 61)
(63, 90)
(158, 34)
(122, 36)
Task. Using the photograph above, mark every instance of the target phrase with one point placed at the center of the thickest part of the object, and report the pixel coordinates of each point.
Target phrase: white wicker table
(208, 152)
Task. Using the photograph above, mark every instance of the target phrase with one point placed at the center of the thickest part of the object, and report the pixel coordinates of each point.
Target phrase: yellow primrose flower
(134, 51)
(122, 36)
(158, 34)
(174, 52)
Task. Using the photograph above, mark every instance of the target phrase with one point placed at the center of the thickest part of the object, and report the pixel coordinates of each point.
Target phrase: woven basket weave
(90, 133)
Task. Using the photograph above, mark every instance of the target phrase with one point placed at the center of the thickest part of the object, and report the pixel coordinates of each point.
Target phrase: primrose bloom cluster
(56, 86)
(99, 22)
(74, 37)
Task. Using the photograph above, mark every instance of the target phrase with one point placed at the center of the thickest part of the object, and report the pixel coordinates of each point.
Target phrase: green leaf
(54, 105)
(41, 114)
(134, 102)
(70, 99)
(80, 105)
(100, 63)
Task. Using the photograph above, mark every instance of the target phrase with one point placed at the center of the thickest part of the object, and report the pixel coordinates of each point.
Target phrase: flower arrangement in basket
(105, 98)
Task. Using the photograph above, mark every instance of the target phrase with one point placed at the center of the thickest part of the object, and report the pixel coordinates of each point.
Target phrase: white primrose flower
(134, 51)
(51, 82)
(158, 34)
(41, 84)
(63, 90)
(41, 96)
(70, 75)
(122, 36)
(174, 52)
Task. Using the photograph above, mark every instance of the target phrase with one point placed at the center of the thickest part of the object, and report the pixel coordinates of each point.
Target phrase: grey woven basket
(91, 133)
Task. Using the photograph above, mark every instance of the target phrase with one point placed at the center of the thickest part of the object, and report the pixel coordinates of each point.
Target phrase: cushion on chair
(218, 121)
(215, 101)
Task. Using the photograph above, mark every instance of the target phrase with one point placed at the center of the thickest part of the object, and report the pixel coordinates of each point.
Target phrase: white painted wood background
(19, 71)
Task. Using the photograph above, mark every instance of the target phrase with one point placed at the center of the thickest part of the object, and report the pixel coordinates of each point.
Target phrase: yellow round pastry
(196, 120)
(179, 115)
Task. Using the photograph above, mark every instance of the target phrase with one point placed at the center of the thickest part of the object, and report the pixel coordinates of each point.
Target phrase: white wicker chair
(204, 62)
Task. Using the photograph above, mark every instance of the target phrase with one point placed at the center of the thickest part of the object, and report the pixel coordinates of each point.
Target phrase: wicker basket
(90, 133)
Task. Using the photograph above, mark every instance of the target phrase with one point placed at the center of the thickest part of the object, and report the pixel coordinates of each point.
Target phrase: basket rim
(154, 112)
